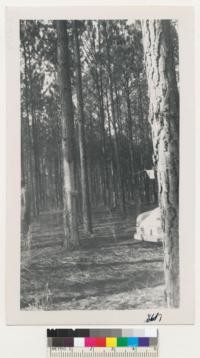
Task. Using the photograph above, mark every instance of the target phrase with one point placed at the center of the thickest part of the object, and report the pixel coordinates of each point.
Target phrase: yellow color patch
(111, 342)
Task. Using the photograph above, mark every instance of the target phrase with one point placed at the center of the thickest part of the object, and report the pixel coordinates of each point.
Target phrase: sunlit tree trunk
(164, 120)
(130, 136)
(86, 210)
(68, 138)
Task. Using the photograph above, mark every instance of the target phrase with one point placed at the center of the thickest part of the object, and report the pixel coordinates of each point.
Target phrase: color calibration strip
(102, 342)
(102, 338)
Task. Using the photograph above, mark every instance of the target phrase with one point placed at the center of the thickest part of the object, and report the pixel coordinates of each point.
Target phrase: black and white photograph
(99, 164)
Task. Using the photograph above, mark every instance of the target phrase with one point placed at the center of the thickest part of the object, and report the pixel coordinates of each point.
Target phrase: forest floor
(111, 270)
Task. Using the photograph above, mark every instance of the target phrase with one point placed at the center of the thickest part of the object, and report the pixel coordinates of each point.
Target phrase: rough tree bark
(68, 138)
(86, 209)
(164, 120)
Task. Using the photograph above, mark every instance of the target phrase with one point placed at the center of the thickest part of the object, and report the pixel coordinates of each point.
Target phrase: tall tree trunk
(116, 146)
(164, 120)
(98, 80)
(120, 145)
(36, 158)
(86, 209)
(35, 145)
(68, 138)
(130, 136)
(31, 189)
(99, 86)
(111, 155)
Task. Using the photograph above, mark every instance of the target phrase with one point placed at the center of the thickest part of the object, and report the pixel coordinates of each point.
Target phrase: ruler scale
(100, 343)
(65, 352)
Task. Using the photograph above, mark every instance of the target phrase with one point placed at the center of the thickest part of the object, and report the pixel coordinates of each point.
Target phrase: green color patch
(122, 342)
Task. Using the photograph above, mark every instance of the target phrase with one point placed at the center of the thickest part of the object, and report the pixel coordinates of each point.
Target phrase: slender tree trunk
(86, 209)
(116, 147)
(119, 144)
(23, 149)
(98, 80)
(35, 144)
(103, 131)
(164, 120)
(103, 138)
(31, 188)
(110, 164)
(68, 138)
(130, 137)
(36, 159)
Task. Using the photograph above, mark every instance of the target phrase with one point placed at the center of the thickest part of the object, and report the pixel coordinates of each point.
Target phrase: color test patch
(100, 342)
(132, 341)
(143, 342)
(111, 342)
(79, 342)
(149, 332)
(90, 342)
(68, 342)
(122, 342)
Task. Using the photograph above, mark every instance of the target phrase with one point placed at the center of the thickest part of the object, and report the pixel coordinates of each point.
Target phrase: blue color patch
(132, 341)
(143, 342)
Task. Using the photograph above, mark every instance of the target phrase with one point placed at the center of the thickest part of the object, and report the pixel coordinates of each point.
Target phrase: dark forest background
(117, 132)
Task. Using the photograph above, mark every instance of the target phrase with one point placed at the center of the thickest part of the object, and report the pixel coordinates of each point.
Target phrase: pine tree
(86, 209)
(68, 138)
(164, 120)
